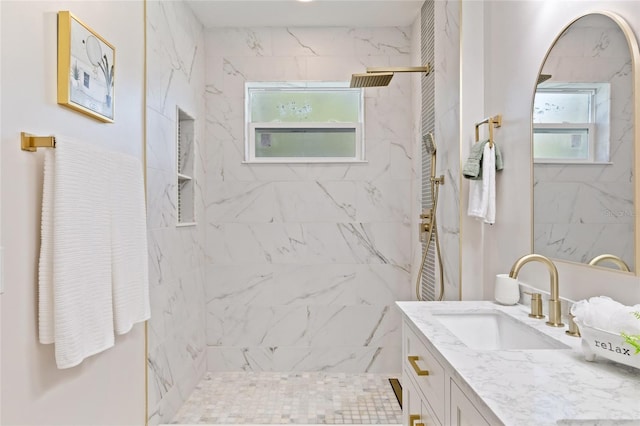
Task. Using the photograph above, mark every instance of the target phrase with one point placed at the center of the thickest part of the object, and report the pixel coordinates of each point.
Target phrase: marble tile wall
(581, 211)
(304, 262)
(176, 332)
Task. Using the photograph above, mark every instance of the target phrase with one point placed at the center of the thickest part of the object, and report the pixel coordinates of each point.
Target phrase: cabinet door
(415, 411)
(462, 411)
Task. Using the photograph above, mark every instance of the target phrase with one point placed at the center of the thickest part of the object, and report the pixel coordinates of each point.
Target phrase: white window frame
(251, 127)
(597, 91)
(591, 138)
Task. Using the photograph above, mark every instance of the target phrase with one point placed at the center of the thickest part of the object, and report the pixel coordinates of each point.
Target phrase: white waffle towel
(75, 302)
(482, 193)
(130, 261)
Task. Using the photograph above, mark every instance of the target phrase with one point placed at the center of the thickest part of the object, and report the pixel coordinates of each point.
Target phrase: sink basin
(495, 330)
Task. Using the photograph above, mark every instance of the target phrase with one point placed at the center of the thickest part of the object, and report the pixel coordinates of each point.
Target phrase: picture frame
(86, 69)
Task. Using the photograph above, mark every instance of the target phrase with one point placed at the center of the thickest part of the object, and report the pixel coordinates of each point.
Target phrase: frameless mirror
(584, 131)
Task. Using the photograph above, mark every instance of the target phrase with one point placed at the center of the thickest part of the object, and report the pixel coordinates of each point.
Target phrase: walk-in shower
(277, 306)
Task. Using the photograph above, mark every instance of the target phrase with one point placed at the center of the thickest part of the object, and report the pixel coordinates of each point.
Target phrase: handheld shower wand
(428, 217)
(431, 149)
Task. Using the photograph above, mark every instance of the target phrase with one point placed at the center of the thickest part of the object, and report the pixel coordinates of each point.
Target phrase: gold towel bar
(31, 143)
(495, 121)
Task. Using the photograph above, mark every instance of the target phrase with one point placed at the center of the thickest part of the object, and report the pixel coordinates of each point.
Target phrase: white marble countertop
(533, 387)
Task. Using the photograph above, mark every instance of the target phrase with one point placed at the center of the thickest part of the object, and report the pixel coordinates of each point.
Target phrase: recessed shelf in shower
(185, 156)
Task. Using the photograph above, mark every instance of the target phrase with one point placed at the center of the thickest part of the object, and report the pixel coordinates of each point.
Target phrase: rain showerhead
(371, 79)
(542, 78)
(377, 77)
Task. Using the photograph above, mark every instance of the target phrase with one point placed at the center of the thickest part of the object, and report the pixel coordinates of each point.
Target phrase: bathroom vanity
(480, 363)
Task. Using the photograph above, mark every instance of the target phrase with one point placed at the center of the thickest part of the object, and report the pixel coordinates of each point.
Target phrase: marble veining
(305, 260)
(545, 386)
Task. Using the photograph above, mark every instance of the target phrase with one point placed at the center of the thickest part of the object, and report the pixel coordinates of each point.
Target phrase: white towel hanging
(76, 311)
(93, 270)
(482, 193)
(130, 262)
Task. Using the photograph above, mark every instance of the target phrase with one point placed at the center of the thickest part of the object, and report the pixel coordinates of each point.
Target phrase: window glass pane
(562, 107)
(561, 144)
(305, 106)
(297, 142)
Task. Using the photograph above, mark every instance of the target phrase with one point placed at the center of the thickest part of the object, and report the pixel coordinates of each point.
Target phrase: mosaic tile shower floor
(291, 398)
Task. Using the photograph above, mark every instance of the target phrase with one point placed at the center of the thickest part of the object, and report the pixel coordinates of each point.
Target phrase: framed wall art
(86, 69)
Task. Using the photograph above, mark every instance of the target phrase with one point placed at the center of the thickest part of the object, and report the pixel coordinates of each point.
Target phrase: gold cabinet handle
(413, 418)
(413, 360)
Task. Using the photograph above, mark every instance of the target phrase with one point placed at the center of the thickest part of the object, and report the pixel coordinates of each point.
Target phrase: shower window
(303, 122)
(570, 123)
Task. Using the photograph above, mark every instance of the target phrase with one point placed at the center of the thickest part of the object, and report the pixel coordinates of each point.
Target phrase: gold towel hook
(31, 143)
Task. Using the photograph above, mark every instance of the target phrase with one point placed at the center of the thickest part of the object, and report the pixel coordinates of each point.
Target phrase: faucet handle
(573, 327)
(536, 305)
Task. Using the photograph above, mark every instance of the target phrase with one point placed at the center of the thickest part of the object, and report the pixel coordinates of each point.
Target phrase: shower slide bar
(31, 143)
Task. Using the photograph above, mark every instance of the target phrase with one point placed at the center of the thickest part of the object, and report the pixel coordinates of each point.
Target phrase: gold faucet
(613, 259)
(555, 314)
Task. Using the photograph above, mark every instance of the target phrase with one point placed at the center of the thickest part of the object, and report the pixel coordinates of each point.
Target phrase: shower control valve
(425, 224)
(424, 228)
(438, 180)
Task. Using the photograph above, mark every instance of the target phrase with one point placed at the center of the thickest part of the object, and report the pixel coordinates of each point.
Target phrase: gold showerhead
(376, 77)
(370, 79)
(542, 78)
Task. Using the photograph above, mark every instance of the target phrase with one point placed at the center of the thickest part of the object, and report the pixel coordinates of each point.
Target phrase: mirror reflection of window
(571, 123)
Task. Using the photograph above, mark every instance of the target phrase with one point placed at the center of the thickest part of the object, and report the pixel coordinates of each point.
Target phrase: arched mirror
(585, 132)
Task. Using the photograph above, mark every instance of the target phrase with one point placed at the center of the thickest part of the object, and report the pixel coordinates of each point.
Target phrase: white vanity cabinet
(430, 395)
(447, 380)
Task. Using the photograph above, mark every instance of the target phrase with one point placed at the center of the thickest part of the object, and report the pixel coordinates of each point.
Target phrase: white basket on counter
(597, 342)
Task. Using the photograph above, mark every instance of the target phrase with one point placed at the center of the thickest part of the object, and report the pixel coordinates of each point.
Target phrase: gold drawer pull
(413, 360)
(413, 418)
(419, 424)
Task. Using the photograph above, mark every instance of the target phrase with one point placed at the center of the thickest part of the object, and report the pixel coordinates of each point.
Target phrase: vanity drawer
(425, 370)
(416, 411)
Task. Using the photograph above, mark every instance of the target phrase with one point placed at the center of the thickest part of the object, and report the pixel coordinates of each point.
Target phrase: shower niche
(185, 155)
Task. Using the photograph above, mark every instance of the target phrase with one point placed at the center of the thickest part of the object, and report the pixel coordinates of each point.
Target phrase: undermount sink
(495, 330)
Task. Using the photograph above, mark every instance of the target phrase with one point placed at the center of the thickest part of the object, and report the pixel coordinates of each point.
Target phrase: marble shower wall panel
(447, 135)
(177, 256)
(305, 261)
